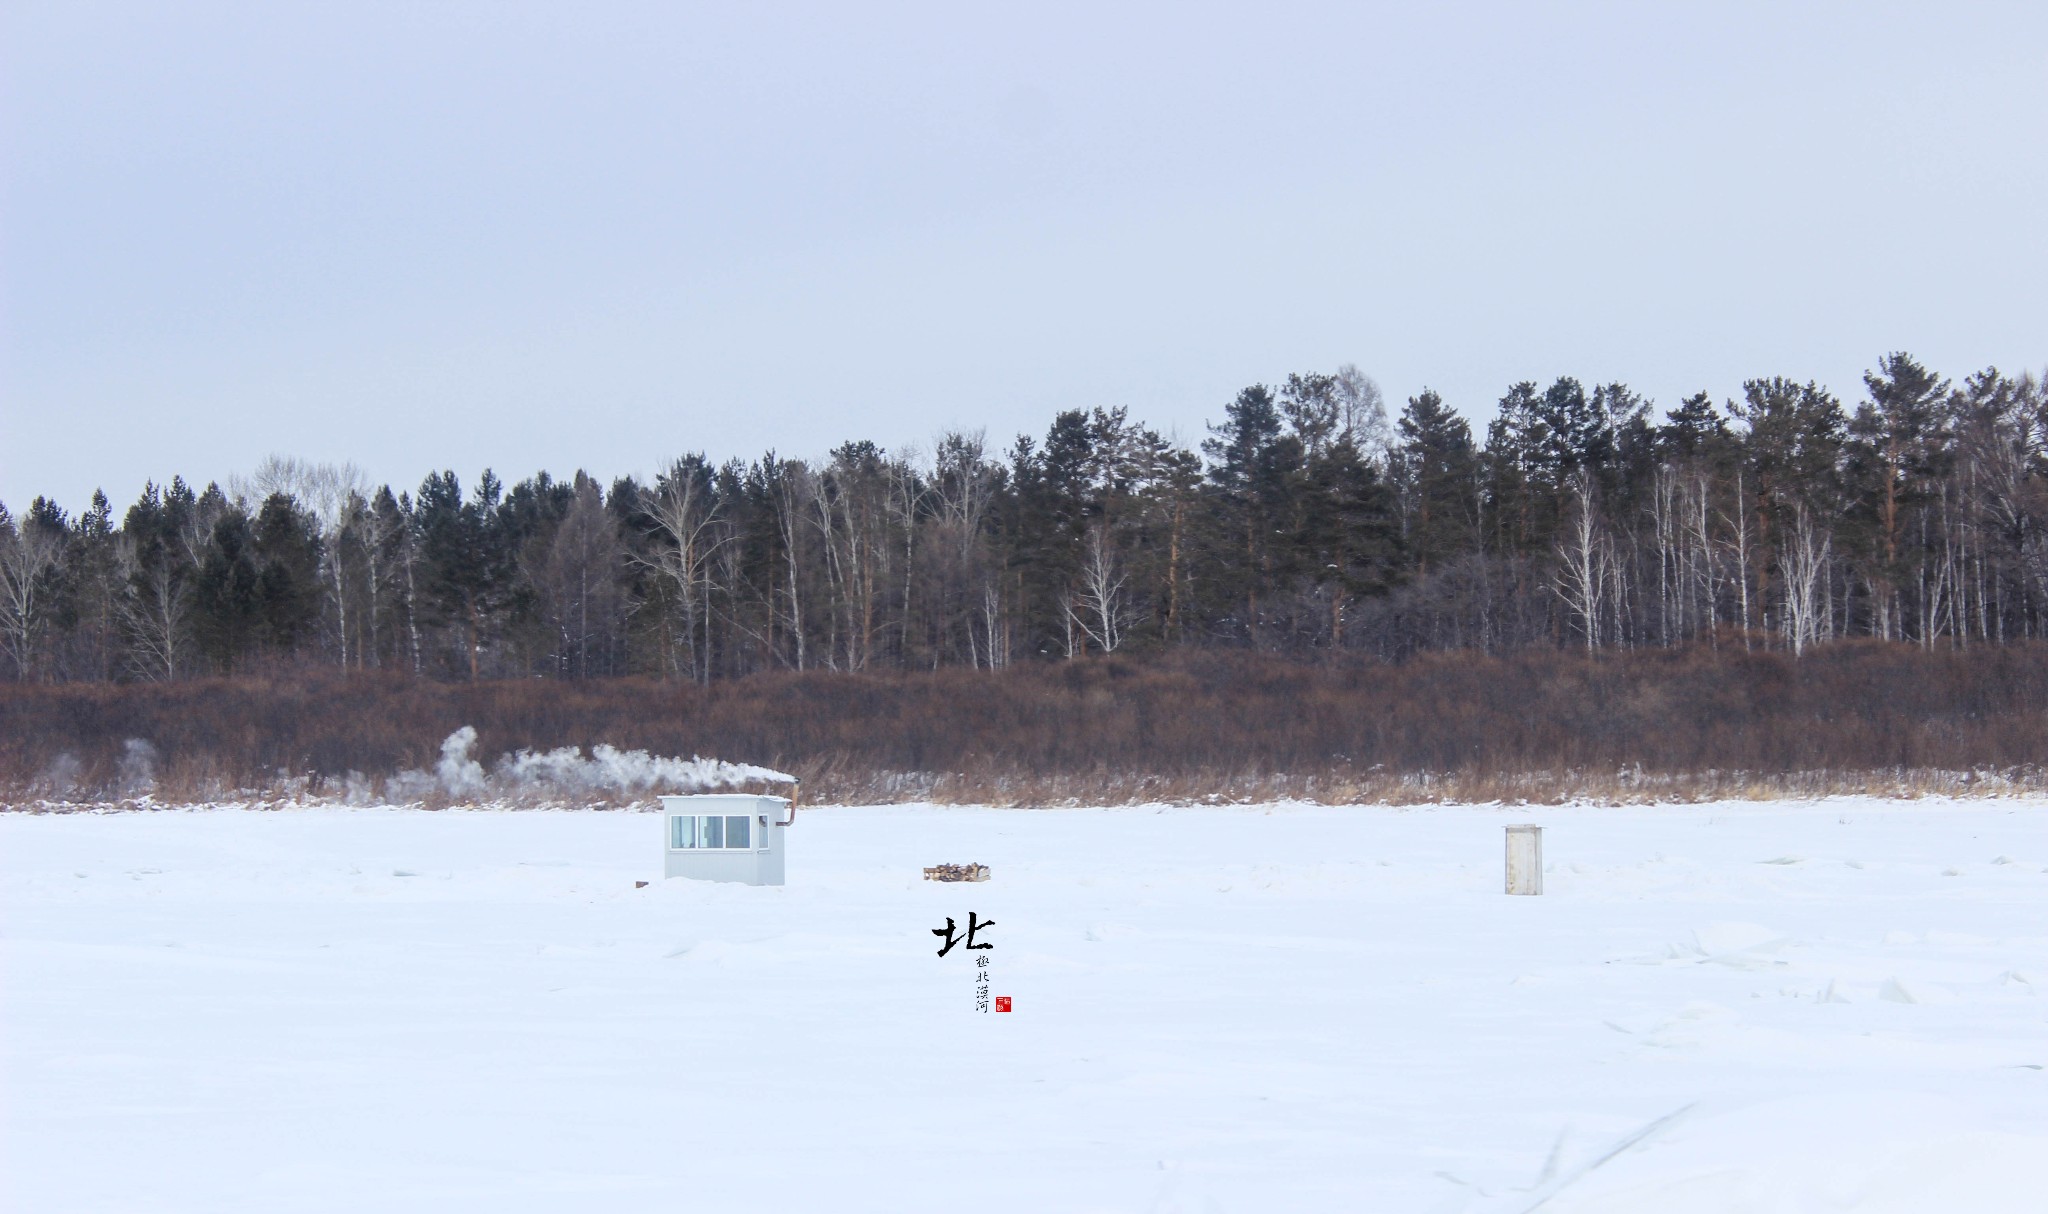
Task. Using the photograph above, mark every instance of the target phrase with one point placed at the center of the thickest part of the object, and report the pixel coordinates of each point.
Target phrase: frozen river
(1839, 1005)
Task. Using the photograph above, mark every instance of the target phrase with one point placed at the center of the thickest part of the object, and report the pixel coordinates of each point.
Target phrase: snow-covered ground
(1825, 1006)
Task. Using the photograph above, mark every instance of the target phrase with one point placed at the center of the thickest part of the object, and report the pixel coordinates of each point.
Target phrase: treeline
(1307, 523)
(1649, 723)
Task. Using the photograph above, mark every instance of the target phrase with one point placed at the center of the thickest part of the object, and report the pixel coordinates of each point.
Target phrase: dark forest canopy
(1308, 521)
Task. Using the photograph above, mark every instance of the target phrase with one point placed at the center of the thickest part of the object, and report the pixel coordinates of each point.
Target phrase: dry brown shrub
(1656, 725)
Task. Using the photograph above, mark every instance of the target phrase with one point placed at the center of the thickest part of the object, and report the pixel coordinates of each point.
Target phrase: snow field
(1827, 1006)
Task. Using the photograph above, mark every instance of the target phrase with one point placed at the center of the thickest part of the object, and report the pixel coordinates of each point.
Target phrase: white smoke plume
(461, 776)
(566, 772)
(136, 771)
(609, 769)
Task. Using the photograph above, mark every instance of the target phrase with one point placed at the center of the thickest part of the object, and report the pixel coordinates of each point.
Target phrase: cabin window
(721, 831)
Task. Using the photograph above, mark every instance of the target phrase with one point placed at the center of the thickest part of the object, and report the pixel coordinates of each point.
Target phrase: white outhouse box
(725, 837)
(1525, 859)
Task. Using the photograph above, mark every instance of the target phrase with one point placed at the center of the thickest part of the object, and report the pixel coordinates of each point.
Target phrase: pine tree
(1255, 468)
(285, 548)
(1437, 470)
(227, 593)
(1793, 452)
(1694, 430)
(157, 605)
(1897, 449)
(1348, 537)
(464, 564)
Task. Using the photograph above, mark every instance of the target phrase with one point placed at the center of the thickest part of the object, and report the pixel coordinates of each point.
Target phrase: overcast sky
(594, 235)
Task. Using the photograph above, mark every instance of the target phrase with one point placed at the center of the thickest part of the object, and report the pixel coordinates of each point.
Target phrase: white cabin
(725, 837)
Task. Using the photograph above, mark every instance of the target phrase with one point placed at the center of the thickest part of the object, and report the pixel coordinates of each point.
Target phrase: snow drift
(1235, 1009)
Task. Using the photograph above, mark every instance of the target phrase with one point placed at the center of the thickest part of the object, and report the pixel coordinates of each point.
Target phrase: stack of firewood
(956, 872)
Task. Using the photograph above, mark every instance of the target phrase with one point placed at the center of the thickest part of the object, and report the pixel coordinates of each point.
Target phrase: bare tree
(408, 561)
(795, 484)
(28, 554)
(1701, 567)
(1667, 541)
(1743, 547)
(334, 494)
(381, 527)
(1805, 562)
(994, 633)
(576, 576)
(1585, 554)
(905, 497)
(963, 484)
(1362, 412)
(850, 509)
(686, 523)
(1099, 607)
(156, 611)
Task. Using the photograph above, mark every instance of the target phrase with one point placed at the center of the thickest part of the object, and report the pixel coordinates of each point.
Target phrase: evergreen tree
(157, 607)
(1255, 467)
(388, 547)
(94, 586)
(1308, 524)
(1896, 456)
(1573, 435)
(1694, 430)
(1793, 452)
(1437, 470)
(1515, 470)
(1348, 536)
(285, 547)
(228, 593)
(464, 564)
(1055, 501)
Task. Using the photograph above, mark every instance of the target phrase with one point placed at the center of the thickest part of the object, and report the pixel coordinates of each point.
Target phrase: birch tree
(29, 554)
(685, 517)
(1585, 555)
(1805, 560)
(1100, 606)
